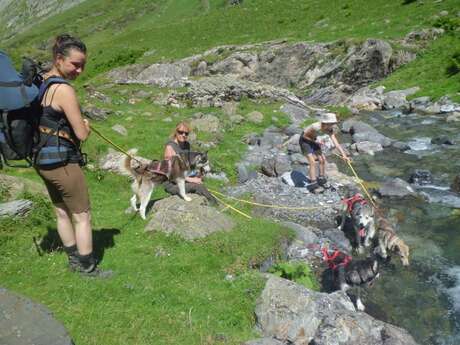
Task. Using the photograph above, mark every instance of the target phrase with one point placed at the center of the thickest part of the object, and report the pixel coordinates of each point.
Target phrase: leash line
(120, 149)
(231, 207)
(265, 205)
(359, 181)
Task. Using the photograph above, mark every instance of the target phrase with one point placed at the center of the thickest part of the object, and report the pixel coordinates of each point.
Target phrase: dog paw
(187, 198)
(359, 305)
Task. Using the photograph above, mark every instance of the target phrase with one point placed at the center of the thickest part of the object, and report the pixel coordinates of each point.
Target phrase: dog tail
(125, 165)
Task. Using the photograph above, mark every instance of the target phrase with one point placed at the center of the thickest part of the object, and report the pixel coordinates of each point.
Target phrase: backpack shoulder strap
(47, 83)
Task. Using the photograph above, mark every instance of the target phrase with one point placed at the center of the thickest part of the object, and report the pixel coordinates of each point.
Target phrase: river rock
(455, 186)
(15, 208)
(361, 131)
(189, 220)
(442, 140)
(421, 177)
(453, 117)
(396, 188)
(245, 172)
(23, 322)
(296, 315)
(366, 147)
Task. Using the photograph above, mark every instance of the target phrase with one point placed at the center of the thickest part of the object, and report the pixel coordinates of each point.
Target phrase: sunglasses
(182, 133)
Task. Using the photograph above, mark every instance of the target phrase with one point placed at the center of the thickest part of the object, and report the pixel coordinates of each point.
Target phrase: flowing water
(424, 298)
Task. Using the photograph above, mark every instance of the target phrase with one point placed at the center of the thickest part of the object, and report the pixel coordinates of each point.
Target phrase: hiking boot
(72, 254)
(322, 181)
(87, 266)
(314, 188)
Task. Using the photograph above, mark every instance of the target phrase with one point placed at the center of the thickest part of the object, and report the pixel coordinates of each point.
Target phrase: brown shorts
(66, 185)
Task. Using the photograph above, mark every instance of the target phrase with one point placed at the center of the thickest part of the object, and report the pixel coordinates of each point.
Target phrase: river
(424, 298)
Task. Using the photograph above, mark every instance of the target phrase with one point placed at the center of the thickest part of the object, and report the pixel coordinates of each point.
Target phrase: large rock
(113, 161)
(361, 131)
(23, 322)
(13, 187)
(295, 315)
(189, 220)
(366, 147)
(15, 208)
(206, 123)
(396, 188)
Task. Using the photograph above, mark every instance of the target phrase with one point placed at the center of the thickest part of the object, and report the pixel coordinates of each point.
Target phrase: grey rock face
(15, 208)
(23, 322)
(361, 131)
(295, 315)
(189, 220)
(396, 188)
(15, 186)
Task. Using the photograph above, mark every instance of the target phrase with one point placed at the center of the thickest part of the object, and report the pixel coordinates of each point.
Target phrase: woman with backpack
(58, 158)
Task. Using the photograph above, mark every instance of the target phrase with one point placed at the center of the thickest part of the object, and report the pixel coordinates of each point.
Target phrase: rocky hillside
(17, 16)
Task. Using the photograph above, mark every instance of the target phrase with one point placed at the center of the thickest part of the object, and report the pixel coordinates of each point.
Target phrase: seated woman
(178, 143)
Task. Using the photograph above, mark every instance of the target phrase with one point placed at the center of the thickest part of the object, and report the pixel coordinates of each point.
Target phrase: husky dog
(356, 275)
(147, 176)
(389, 241)
(361, 215)
(352, 274)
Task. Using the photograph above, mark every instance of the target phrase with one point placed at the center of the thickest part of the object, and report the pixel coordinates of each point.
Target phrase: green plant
(454, 66)
(448, 23)
(298, 272)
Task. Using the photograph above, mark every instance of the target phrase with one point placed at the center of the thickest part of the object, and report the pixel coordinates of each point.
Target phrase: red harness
(336, 259)
(350, 203)
(160, 167)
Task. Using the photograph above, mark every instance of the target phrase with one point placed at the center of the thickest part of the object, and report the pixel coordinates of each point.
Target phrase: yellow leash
(359, 181)
(265, 205)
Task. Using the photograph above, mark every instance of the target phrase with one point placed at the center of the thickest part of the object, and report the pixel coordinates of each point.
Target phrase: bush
(453, 67)
(297, 272)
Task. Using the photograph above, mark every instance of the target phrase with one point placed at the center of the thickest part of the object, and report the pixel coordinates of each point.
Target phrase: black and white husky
(361, 216)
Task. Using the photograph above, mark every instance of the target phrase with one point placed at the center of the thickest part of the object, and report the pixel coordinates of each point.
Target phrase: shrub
(297, 272)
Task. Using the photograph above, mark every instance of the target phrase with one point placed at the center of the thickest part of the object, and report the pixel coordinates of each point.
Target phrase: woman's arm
(66, 100)
(169, 152)
(339, 147)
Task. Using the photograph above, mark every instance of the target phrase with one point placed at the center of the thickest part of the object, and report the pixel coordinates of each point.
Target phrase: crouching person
(311, 149)
(58, 158)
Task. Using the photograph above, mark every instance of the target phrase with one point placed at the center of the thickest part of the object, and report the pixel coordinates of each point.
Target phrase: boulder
(189, 220)
(296, 315)
(12, 187)
(421, 177)
(296, 114)
(442, 140)
(15, 208)
(255, 117)
(453, 117)
(95, 113)
(396, 188)
(120, 130)
(366, 147)
(206, 123)
(23, 322)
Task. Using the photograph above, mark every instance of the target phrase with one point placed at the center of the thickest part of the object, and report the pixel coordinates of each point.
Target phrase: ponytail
(63, 43)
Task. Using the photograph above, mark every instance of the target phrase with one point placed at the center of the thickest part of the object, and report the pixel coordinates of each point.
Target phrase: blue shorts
(309, 146)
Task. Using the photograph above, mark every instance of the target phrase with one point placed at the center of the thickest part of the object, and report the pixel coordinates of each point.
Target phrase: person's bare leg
(311, 166)
(64, 225)
(322, 165)
(83, 232)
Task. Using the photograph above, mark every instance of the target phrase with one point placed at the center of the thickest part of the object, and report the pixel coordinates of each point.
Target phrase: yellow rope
(265, 205)
(231, 207)
(113, 144)
(359, 181)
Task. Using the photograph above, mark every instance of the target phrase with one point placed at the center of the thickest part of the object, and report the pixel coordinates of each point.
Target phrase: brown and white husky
(389, 241)
(147, 176)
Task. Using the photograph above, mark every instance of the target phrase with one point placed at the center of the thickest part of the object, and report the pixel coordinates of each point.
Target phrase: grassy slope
(120, 32)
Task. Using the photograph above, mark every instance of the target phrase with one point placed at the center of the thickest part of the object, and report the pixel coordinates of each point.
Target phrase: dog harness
(336, 259)
(350, 202)
(157, 167)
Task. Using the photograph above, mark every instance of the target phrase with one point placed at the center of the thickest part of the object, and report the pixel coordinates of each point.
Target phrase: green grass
(166, 290)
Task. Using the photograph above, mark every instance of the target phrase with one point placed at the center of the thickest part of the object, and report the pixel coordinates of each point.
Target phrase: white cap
(328, 118)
